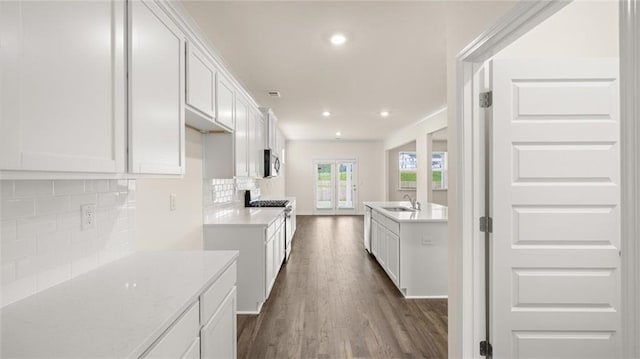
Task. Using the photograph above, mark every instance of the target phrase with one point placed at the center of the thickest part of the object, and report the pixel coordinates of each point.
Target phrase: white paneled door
(556, 209)
(336, 186)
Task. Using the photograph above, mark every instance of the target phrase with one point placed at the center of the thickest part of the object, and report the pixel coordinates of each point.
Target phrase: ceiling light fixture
(384, 113)
(338, 134)
(326, 113)
(338, 39)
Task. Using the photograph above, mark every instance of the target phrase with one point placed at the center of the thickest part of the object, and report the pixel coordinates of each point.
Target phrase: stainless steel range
(252, 199)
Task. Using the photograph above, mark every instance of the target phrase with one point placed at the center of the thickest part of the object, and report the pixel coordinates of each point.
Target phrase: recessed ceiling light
(326, 113)
(384, 113)
(338, 39)
(338, 134)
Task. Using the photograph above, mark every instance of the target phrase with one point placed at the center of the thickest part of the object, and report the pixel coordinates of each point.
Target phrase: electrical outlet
(88, 216)
(172, 202)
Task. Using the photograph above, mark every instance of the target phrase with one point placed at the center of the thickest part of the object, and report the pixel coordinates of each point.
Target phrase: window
(439, 170)
(408, 165)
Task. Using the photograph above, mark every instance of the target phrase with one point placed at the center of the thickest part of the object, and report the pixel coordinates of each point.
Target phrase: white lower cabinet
(262, 249)
(207, 329)
(393, 256)
(218, 336)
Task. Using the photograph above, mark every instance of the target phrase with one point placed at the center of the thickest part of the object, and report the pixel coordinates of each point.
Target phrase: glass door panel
(324, 174)
(346, 185)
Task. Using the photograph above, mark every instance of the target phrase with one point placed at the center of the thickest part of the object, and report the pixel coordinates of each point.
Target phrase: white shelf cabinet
(62, 96)
(156, 91)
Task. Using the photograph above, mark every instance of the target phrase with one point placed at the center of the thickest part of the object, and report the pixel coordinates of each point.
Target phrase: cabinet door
(393, 257)
(218, 336)
(63, 87)
(225, 100)
(156, 91)
(201, 82)
(194, 350)
(260, 146)
(241, 138)
(251, 144)
(269, 262)
(382, 246)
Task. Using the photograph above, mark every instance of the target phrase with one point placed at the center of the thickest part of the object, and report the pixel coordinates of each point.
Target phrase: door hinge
(486, 349)
(486, 99)
(486, 224)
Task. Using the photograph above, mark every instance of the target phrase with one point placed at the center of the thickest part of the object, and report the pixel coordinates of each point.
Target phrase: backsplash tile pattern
(224, 191)
(41, 239)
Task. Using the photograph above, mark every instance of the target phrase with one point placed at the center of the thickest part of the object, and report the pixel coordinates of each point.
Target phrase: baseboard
(426, 297)
(243, 312)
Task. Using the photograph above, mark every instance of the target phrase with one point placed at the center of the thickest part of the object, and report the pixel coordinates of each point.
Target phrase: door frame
(335, 210)
(469, 308)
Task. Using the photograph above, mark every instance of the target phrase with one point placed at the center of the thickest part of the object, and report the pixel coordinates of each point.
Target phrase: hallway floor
(333, 300)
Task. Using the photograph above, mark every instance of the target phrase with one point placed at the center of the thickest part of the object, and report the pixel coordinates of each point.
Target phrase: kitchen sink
(399, 209)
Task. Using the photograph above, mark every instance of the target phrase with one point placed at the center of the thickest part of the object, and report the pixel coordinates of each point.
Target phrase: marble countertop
(241, 216)
(115, 311)
(430, 212)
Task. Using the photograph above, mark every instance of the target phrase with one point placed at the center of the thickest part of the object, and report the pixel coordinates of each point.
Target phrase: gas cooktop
(269, 203)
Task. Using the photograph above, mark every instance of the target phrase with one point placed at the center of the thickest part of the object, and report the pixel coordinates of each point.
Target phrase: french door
(336, 186)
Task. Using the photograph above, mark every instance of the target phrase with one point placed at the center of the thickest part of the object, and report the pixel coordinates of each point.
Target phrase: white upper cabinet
(241, 138)
(156, 91)
(62, 88)
(251, 144)
(258, 151)
(225, 99)
(201, 86)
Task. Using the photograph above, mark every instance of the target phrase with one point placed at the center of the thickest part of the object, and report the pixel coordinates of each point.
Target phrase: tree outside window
(439, 170)
(408, 165)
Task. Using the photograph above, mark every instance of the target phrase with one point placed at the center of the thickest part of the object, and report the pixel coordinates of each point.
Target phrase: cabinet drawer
(392, 226)
(212, 297)
(378, 216)
(176, 341)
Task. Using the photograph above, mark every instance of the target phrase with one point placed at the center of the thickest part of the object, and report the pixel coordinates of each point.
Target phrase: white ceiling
(394, 59)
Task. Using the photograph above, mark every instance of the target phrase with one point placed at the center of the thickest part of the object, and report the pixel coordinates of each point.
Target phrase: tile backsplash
(224, 191)
(41, 240)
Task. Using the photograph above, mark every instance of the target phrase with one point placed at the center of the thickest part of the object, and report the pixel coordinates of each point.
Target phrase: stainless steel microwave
(271, 164)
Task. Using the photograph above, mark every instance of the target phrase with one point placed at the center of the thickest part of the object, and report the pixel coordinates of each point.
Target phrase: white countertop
(241, 216)
(430, 212)
(114, 311)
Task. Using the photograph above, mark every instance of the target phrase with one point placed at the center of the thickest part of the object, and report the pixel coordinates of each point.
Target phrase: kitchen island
(410, 245)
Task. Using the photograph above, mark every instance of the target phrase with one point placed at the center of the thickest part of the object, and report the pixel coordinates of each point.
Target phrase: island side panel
(250, 241)
(424, 259)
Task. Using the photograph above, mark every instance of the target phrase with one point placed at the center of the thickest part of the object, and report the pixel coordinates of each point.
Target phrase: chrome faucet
(415, 205)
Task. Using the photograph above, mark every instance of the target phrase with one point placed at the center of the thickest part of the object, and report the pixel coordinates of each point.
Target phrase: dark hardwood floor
(332, 300)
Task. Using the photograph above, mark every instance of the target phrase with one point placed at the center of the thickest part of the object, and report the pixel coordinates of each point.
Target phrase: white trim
(247, 312)
(426, 297)
(523, 17)
(630, 173)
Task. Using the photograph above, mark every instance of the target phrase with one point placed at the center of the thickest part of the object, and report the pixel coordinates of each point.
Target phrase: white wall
(393, 173)
(419, 132)
(299, 169)
(580, 29)
(159, 228)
